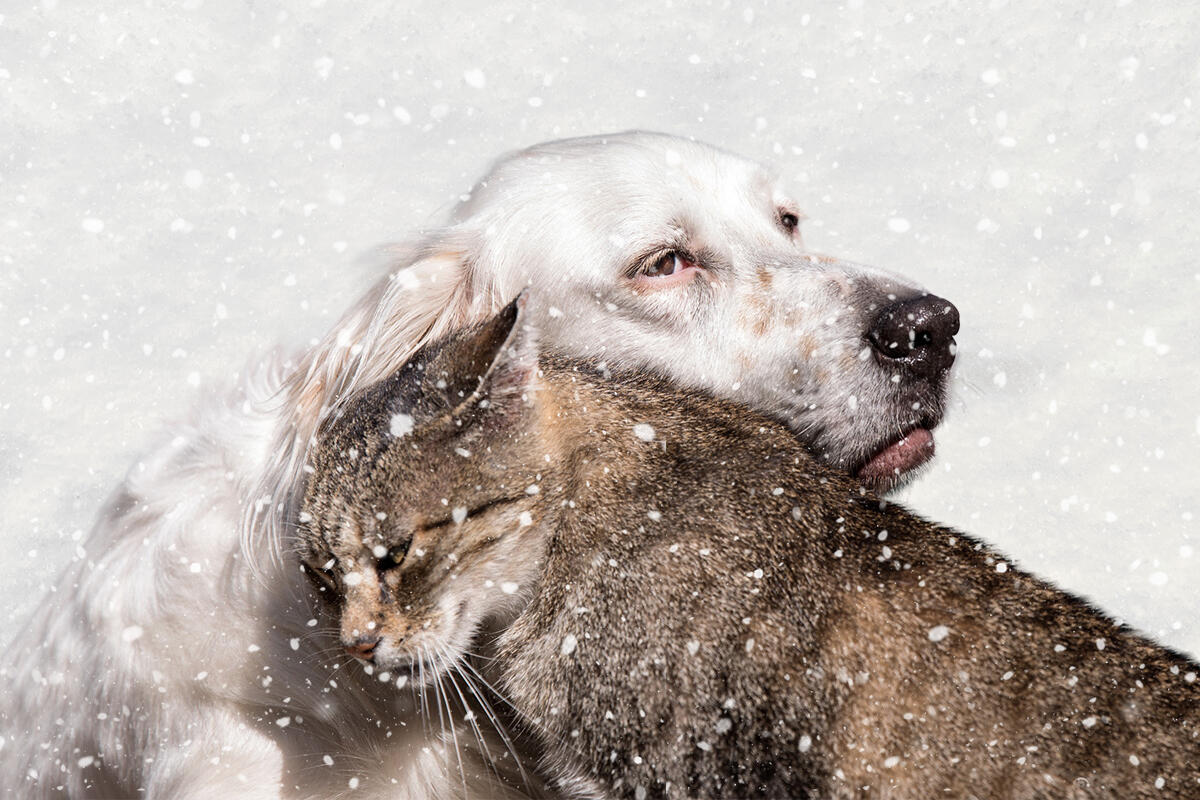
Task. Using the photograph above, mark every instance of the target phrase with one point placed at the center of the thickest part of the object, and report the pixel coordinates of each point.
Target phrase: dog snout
(363, 647)
(918, 334)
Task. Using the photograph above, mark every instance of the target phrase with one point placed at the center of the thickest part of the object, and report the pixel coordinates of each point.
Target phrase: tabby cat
(693, 606)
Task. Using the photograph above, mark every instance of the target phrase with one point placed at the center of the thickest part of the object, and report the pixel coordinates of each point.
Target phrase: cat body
(710, 635)
(693, 606)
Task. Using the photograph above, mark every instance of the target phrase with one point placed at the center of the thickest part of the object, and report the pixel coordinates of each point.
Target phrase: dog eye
(667, 264)
(789, 220)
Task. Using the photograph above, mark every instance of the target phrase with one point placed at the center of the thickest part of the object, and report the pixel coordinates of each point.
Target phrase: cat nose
(363, 647)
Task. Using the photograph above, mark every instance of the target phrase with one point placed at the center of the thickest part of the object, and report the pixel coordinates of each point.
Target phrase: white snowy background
(185, 184)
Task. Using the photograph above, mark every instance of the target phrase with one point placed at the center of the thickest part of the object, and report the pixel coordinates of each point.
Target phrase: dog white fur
(180, 656)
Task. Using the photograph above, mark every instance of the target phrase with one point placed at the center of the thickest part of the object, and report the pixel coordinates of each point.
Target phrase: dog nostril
(363, 647)
(917, 333)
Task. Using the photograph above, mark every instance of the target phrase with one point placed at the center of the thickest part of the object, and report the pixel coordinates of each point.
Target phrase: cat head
(422, 510)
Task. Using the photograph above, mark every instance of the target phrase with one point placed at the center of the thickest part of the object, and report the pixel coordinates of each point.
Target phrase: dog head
(671, 256)
(663, 254)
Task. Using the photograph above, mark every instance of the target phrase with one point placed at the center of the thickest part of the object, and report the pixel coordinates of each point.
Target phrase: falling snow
(168, 221)
(401, 425)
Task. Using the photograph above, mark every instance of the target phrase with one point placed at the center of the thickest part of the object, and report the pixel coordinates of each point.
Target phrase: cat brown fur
(704, 610)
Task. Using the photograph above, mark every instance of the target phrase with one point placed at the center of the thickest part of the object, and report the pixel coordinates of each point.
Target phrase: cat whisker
(520, 714)
(421, 692)
(353, 758)
(480, 656)
(412, 688)
(313, 633)
(493, 717)
(333, 653)
(493, 689)
(443, 699)
(469, 716)
(454, 667)
(326, 654)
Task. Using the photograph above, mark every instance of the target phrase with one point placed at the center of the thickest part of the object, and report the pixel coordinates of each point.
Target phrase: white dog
(183, 655)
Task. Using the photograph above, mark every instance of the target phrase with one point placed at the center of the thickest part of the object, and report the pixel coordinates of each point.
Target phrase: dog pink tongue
(899, 457)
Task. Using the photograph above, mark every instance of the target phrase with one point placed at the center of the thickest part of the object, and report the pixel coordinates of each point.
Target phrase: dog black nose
(917, 334)
(363, 647)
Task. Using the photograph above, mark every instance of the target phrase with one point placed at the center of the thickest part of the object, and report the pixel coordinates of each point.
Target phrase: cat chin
(422, 666)
(415, 673)
(406, 675)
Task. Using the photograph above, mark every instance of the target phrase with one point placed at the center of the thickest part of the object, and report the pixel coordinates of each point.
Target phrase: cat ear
(492, 365)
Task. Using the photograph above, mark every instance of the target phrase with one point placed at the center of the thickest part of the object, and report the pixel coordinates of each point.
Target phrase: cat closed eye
(463, 513)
